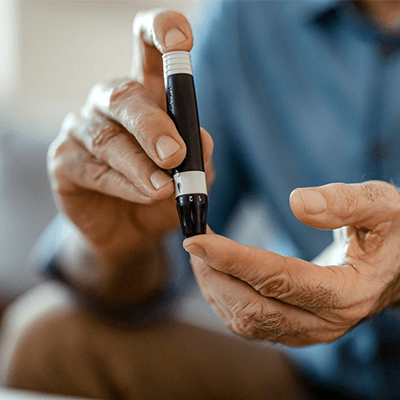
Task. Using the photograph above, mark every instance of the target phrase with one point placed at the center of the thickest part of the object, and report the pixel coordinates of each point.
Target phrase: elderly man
(295, 95)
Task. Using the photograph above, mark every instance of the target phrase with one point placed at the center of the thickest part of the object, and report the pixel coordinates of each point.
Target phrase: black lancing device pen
(189, 176)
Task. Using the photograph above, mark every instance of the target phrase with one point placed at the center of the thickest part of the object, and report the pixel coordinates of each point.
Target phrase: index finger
(129, 104)
(156, 32)
(294, 281)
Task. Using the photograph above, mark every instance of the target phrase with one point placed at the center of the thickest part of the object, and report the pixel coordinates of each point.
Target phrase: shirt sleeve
(45, 258)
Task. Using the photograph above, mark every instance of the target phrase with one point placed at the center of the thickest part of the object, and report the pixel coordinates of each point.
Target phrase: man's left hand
(260, 294)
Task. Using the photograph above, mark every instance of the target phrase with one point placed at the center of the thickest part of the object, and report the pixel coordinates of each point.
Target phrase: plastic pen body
(189, 177)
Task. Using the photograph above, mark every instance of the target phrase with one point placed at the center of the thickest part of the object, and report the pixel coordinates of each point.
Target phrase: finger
(249, 314)
(148, 124)
(71, 166)
(218, 307)
(129, 104)
(103, 167)
(291, 280)
(207, 145)
(156, 32)
(125, 155)
(335, 205)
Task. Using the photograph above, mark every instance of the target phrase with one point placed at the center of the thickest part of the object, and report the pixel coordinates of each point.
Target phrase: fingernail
(314, 202)
(166, 146)
(174, 37)
(196, 250)
(159, 179)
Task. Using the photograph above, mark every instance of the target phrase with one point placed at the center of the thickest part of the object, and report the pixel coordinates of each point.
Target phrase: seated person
(290, 93)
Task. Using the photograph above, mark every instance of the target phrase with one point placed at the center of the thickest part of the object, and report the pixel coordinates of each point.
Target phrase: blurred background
(51, 53)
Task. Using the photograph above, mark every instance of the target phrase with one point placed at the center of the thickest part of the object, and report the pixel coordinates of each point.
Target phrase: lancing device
(189, 177)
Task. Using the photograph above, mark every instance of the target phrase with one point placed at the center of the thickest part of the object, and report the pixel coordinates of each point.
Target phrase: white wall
(9, 51)
(68, 46)
(51, 53)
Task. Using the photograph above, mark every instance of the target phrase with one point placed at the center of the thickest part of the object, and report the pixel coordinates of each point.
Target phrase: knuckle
(142, 167)
(241, 327)
(244, 309)
(95, 98)
(343, 200)
(348, 200)
(95, 91)
(143, 20)
(245, 317)
(258, 325)
(251, 320)
(274, 326)
(98, 172)
(146, 124)
(70, 122)
(273, 286)
(148, 127)
(160, 22)
(106, 97)
(277, 285)
(123, 90)
(72, 165)
(102, 135)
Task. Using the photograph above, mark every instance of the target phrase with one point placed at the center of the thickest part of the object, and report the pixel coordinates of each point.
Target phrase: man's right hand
(107, 165)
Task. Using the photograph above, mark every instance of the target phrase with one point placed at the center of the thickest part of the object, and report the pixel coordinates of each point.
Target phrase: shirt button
(381, 150)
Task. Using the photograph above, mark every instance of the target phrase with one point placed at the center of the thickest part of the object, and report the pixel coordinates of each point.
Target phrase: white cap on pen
(177, 62)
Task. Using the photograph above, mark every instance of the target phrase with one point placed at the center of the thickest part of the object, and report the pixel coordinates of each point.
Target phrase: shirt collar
(314, 10)
(324, 12)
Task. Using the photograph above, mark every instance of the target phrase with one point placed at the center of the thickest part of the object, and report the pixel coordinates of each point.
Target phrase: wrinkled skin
(108, 165)
(260, 294)
(107, 170)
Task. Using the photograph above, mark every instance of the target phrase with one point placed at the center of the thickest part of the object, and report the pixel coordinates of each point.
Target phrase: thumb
(338, 204)
(156, 32)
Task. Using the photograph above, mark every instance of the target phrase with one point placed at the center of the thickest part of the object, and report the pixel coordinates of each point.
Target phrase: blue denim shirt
(295, 93)
(303, 93)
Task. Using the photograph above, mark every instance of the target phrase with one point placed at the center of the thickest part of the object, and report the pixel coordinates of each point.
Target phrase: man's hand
(260, 294)
(108, 166)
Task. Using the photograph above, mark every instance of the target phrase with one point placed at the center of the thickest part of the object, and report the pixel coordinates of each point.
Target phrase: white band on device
(176, 62)
(190, 182)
